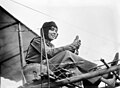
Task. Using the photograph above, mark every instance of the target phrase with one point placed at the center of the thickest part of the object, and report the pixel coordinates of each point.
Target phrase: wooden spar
(116, 75)
(87, 75)
(22, 60)
(116, 85)
(74, 79)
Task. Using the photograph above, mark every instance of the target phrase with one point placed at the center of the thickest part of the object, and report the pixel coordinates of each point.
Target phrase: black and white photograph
(59, 43)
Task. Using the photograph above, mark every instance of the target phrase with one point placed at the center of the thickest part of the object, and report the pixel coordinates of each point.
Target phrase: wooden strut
(22, 60)
(43, 38)
(116, 75)
(74, 79)
(41, 58)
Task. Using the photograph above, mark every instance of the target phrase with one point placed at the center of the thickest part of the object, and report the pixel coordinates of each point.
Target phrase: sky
(96, 22)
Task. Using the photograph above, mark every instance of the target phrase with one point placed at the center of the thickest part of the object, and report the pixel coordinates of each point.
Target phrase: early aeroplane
(68, 81)
(14, 36)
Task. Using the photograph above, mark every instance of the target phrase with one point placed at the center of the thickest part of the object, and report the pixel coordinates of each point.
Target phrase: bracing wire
(104, 65)
(41, 59)
(32, 8)
(43, 39)
(58, 19)
(54, 18)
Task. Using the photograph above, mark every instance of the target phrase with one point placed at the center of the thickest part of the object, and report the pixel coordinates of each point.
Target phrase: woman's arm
(36, 43)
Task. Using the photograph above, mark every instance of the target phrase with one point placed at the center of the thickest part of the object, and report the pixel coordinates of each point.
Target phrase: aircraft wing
(9, 45)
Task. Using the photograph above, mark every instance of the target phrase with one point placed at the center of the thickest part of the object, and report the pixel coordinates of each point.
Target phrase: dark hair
(46, 27)
(49, 24)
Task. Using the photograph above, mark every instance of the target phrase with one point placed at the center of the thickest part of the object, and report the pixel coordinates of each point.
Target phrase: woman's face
(52, 33)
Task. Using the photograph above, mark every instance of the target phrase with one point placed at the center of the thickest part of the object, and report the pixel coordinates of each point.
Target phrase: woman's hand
(76, 43)
(74, 46)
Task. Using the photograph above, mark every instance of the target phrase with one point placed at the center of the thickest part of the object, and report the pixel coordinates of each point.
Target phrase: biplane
(14, 41)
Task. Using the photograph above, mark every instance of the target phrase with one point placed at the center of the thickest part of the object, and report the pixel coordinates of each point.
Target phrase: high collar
(48, 43)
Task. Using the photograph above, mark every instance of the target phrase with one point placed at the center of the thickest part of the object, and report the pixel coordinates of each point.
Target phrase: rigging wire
(41, 60)
(57, 19)
(32, 8)
(61, 20)
(102, 37)
(104, 65)
(47, 61)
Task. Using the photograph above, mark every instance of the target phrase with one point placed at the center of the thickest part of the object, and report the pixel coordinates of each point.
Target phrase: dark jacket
(34, 50)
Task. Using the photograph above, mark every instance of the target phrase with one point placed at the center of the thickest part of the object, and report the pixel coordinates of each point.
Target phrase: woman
(59, 56)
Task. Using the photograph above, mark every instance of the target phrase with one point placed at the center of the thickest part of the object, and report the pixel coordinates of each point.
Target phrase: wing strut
(116, 75)
(43, 39)
(22, 60)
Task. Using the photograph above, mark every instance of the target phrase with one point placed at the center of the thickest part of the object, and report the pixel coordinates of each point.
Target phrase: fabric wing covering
(9, 45)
